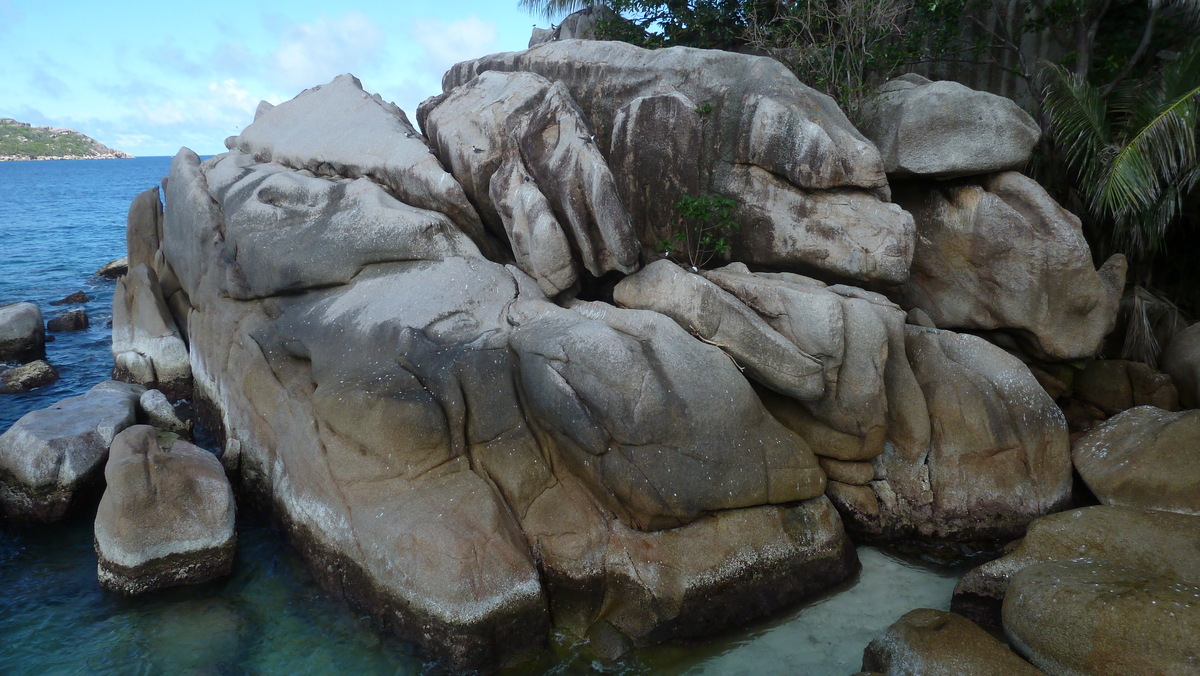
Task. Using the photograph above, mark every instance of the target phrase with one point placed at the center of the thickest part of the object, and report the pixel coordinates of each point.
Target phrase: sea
(62, 220)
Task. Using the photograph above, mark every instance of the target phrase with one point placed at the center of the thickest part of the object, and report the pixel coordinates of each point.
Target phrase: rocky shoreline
(456, 362)
(113, 155)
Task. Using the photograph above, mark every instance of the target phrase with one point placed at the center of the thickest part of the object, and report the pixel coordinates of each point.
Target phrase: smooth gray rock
(339, 130)
(767, 140)
(1181, 361)
(1145, 457)
(27, 377)
(998, 253)
(22, 335)
(75, 320)
(114, 268)
(49, 457)
(158, 412)
(146, 345)
(167, 515)
(944, 129)
(581, 25)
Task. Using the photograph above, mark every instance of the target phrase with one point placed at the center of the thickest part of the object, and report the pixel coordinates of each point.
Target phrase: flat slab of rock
(167, 515)
(1097, 618)
(928, 642)
(1145, 457)
(50, 456)
(1181, 361)
(944, 129)
(27, 377)
(22, 336)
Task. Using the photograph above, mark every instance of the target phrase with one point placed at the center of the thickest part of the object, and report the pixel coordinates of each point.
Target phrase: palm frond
(551, 9)
(1080, 120)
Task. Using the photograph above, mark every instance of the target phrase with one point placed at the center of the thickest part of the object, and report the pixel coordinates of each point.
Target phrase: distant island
(23, 141)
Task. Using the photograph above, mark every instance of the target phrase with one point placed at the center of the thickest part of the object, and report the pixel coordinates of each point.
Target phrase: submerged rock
(50, 457)
(114, 269)
(929, 642)
(167, 515)
(22, 335)
(76, 298)
(27, 377)
(75, 320)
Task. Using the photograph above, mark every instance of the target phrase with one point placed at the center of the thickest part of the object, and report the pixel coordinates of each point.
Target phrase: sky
(150, 77)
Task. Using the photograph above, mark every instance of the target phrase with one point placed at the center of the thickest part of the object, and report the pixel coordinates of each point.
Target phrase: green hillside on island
(22, 141)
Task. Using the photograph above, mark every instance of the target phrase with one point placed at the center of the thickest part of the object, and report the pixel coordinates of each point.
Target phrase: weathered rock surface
(157, 411)
(997, 253)
(1088, 617)
(928, 642)
(944, 129)
(167, 515)
(1145, 457)
(114, 268)
(147, 348)
(338, 130)
(143, 228)
(50, 457)
(76, 298)
(1181, 361)
(581, 25)
(519, 126)
(801, 174)
(22, 336)
(75, 320)
(1116, 385)
(1160, 544)
(27, 377)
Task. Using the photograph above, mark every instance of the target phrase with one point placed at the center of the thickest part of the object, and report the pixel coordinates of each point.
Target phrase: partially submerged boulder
(114, 268)
(1145, 457)
(75, 320)
(50, 458)
(997, 253)
(76, 298)
(927, 642)
(27, 377)
(167, 515)
(22, 335)
(944, 129)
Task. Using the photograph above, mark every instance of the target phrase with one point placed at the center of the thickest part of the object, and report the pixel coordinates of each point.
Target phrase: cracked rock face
(479, 412)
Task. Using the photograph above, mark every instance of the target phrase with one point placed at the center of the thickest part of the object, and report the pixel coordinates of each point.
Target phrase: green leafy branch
(703, 230)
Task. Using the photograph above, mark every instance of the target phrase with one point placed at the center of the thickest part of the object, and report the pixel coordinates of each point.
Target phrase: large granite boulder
(22, 335)
(27, 377)
(1181, 361)
(927, 642)
(806, 182)
(1089, 617)
(1116, 385)
(997, 253)
(51, 458)
(1159, 544)
(146, 345)
(338, 130)
(1145, 457)
(944, 129)
(505, 130)
(167, 515)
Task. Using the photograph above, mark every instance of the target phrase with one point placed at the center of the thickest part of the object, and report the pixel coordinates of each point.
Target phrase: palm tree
(1133, 147)
(550, 9)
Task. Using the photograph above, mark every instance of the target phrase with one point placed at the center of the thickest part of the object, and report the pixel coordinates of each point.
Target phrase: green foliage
(20, 140)
(550, 9)
(1134, 152)
(703, 231)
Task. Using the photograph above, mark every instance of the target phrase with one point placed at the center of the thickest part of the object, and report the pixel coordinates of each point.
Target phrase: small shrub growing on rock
(702, 232)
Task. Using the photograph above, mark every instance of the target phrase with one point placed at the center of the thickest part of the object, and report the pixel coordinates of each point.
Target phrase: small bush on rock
(702, 232)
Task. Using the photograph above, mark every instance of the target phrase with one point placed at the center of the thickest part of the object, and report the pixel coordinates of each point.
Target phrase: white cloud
(314, 53)
(447, 43)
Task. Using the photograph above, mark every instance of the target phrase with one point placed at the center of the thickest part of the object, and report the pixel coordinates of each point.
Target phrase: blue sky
(149, 77)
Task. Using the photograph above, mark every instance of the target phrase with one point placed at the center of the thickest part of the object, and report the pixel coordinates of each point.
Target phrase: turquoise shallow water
(59, 222)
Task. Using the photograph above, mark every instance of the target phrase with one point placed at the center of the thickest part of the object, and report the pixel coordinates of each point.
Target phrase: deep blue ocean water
(62, 220)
